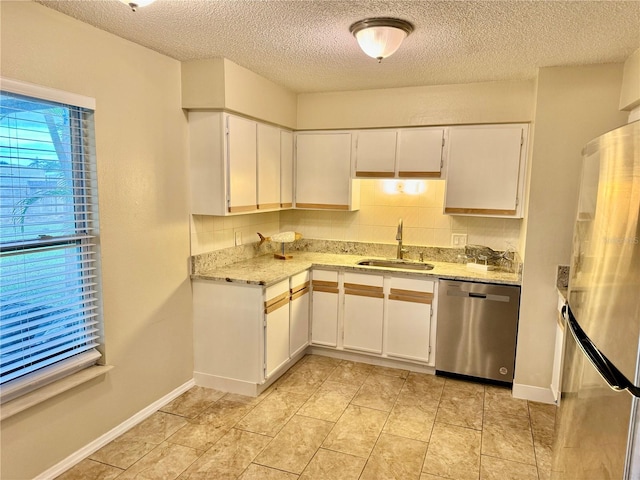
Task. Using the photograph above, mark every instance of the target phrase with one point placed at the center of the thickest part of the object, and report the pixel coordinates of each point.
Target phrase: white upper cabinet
(486, 169)
(403, 152)
(241, 158)
(420, 152)
(376, 153)
(323, 172)
(268, 167)
(237, 165)
(286, 169)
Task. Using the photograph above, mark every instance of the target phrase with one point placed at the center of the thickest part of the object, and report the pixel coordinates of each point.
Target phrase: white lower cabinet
(276, 327)
(385, 315)
(299, 313)
(245, 336)
(324, 310)
(409, 320)
(363, 312)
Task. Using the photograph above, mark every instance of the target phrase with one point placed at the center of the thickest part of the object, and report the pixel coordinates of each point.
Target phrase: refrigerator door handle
(614, 378)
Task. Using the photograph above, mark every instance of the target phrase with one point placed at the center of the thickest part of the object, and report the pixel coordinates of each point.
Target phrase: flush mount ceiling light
(380, 37)
(134, 4)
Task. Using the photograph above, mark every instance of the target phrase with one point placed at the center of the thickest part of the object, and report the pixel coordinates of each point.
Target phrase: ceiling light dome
(135, 4)
(380, 37)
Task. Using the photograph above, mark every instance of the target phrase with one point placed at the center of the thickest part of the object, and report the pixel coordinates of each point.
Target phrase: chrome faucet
(399, 239)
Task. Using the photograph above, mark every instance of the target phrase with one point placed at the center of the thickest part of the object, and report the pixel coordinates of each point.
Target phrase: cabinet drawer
(411, 290)
(299, 282)
(362, 279)
(276, 296)
(325, 275)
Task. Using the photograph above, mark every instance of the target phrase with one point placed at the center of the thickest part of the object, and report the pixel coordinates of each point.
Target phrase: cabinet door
(420, 152)
(376, 153)
(268, 167)
(299, 313)
(324, 308)
(276, 326)
(363, 312)
(485, 170)
(323, 171)
(286, 169)
(241, 157)
(409, 320)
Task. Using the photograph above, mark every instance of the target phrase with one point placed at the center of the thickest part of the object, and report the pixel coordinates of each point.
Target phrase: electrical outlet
(458, 239)
(238, 238)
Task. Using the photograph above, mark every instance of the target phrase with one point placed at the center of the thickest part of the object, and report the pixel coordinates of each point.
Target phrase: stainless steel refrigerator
(597, 434)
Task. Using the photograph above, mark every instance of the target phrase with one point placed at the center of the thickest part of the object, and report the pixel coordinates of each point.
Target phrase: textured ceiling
(306, 45)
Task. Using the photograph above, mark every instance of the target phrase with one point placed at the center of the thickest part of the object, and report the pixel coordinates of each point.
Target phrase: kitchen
(142, 134)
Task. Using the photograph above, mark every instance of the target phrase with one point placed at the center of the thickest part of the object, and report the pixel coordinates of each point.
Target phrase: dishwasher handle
(479, 296)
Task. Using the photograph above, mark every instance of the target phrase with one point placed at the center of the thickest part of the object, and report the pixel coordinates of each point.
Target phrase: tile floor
(333, 419)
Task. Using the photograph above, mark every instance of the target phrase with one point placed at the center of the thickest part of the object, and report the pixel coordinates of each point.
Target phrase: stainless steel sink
(393, 263)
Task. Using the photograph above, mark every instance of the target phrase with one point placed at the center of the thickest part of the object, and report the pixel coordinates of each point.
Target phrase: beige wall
(573, 105)
(221, 84)
(491, 102)
(630, 92)
(142, 168)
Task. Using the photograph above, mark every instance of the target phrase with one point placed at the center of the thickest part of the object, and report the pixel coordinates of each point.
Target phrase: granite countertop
(266, 270)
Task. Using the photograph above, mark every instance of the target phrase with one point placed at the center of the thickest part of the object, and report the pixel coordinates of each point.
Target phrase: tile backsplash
(376, 221)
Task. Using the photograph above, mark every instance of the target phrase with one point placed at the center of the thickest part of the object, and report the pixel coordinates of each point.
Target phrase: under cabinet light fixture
(380, 37)
(135, 4)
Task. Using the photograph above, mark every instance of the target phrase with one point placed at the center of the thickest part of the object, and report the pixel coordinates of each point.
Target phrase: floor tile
(392, 372)
(329, 401)
(379, 392)
(395, 458)
(259, 472)
(453, 452)
(132, 445)
(356, 431)
(543, 460)
(322, 360)
(411, 421)
(350, 372)
(303, 381)
(295, 444)
(270, 415)
(500, 400)
(542, 417)
(193, 402)
(88, 469)
(166, 461)
(228, 458)
(421, 389)
(498, 469)
(329, 465)
(211, 425)
(508, 437)
(461, 404)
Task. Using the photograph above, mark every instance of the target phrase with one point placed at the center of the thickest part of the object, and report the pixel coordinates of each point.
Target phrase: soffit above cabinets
(306, 46)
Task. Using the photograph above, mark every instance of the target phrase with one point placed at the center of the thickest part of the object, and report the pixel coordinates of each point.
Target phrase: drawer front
(325, 275)
(412, 284)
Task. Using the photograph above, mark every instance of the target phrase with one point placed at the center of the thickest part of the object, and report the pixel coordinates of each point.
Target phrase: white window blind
(50, 321)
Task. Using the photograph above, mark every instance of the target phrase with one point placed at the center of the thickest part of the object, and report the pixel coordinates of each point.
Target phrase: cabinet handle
(407, 298)
(275, 306)
(299, 293)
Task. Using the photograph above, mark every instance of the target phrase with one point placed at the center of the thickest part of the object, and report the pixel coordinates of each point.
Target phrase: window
(50, 320)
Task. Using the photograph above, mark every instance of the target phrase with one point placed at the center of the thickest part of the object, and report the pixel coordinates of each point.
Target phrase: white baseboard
(535, 394)
(225, 384)
(112, 434)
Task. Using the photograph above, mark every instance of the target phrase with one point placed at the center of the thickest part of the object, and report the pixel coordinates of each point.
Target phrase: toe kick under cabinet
(246, 336)
(380, 315)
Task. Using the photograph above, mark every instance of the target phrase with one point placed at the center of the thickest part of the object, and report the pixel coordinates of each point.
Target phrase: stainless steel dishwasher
(477, 327)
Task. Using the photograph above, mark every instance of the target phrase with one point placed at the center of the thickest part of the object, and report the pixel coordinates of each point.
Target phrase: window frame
(59, 376)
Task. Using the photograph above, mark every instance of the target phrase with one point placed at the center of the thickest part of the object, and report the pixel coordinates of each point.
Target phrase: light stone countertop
(267, 270)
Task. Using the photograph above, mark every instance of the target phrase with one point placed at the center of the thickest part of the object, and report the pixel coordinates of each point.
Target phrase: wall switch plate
(238, 238)
(458, 239)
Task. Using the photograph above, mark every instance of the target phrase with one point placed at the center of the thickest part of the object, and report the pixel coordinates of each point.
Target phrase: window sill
(48, 391)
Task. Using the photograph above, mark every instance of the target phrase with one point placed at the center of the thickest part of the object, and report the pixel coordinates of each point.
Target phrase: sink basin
(393, 263)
